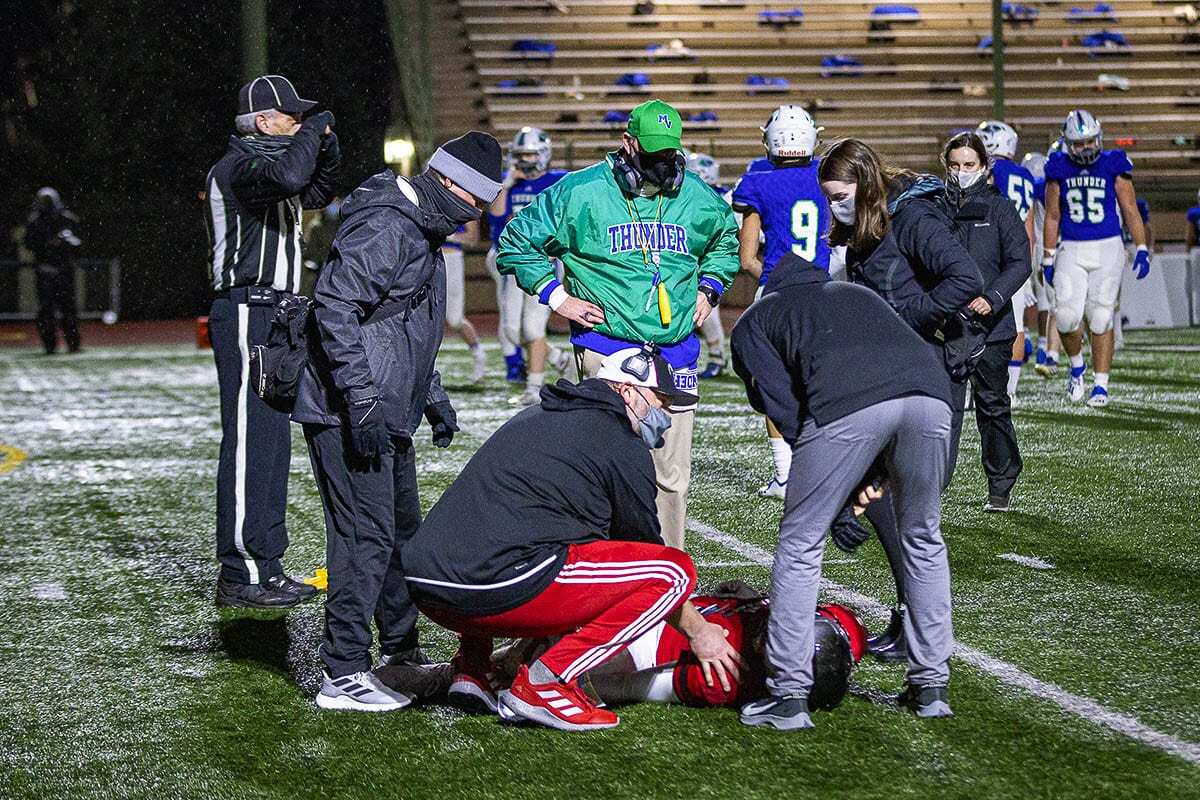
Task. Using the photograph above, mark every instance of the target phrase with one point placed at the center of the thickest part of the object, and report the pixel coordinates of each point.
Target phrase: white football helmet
(530, 152)
(1082, 137)
(999, 138)
(790, 133)
(1036, 164)
(707, 167)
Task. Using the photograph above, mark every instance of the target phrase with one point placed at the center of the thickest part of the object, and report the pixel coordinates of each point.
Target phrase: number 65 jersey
(1087, 195)
(795, 215)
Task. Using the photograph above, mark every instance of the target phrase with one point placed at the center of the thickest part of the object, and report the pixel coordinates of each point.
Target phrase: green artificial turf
(120, 679)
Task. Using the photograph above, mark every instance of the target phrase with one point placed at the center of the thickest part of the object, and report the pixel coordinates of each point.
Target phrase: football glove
(1048, 268)
(1141, 263)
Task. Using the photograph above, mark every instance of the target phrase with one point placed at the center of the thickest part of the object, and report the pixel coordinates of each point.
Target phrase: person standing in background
(456, 295)
(51, 235)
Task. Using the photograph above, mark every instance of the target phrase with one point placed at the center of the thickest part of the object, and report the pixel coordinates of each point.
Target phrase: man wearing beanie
(647, 250)
(378, 310)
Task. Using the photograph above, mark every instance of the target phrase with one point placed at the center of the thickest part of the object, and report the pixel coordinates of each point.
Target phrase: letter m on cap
(664, 120)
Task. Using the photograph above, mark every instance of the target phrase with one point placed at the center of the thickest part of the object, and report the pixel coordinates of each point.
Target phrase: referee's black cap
(272, 91)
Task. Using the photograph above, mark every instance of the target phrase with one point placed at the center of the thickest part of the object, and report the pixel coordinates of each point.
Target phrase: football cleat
(1098, 398)
(514, 367)
(471, 688)
(1047, 368)
(362, 691)
(561, 360)
(530, 397)
(1075, 385)
(773, 489)
(478, 365)
(713, 369)
(563, 706)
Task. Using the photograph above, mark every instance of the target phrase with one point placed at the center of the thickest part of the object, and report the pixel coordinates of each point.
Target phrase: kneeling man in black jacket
(551, 530)
(849, 385)
(378, 312)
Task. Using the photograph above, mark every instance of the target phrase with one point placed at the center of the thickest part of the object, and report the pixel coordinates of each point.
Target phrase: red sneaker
(557, 705)
(471, 688)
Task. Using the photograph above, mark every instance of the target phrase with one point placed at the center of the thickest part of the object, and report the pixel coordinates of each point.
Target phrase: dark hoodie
(920, 268)
(568, 471)
(812, 347)
(378, 310)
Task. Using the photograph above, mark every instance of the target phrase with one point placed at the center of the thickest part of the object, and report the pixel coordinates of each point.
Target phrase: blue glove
(1048, 269)
(1141, 263)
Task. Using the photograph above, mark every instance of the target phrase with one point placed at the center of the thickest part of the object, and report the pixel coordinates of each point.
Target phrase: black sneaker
(997, 504)
(786, 713)
(270, 594)
(413, 657)
(925, 701)
(889, 645)
(305, 590)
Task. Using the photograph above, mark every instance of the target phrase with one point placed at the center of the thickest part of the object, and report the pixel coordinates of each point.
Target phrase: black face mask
(449, 210)
(660, 169)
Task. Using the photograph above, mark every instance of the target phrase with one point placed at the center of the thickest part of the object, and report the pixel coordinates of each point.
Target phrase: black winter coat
(920, 268)
(990, 228)
(378, 309)
(812, 347)
(568, 471)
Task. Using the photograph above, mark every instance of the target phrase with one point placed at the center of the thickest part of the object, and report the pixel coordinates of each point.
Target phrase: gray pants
(828, 463)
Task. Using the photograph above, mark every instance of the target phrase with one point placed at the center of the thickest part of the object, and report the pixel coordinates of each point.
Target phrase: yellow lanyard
(657, 289)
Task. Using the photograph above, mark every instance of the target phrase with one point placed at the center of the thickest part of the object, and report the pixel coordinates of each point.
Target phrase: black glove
(319, 121)
(847, 532)
(368, 430)
(443, 420)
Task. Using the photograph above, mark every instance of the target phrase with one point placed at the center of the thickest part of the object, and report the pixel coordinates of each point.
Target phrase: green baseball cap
(656, 125)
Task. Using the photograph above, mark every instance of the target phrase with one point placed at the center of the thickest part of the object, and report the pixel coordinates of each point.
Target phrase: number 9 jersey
(1087, 195)
(795, 215)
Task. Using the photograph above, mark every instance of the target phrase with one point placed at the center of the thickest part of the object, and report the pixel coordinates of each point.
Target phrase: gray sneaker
(362, 691)
(925, 701)
(787, 713)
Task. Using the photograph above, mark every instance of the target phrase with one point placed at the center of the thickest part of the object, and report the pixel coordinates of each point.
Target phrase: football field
(1077, 616)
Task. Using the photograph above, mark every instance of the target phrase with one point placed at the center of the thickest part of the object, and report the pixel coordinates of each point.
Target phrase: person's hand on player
(980, 306)
(589, 315)
(703, 309)
(867, 495)
(716, 655)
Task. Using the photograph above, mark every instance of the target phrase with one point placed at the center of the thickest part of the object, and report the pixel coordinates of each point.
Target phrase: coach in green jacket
(647, 250)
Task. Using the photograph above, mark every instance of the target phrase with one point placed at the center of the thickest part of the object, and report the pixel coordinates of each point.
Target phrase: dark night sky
(135, 101)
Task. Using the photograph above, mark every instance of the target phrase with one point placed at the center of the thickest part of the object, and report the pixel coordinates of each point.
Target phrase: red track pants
(607, 594)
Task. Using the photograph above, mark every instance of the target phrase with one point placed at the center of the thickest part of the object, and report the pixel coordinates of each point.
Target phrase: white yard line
(1033, 562)
(1010, 674)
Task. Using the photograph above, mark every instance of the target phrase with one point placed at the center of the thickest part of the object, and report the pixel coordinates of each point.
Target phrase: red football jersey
(743, 619)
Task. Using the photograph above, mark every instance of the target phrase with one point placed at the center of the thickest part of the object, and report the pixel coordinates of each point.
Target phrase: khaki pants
(672, 462)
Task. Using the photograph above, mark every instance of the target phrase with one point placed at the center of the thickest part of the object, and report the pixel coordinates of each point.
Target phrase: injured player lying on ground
(659, 667)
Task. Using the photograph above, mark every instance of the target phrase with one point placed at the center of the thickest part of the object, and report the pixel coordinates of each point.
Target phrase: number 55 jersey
(1087, 196)
(794, 213)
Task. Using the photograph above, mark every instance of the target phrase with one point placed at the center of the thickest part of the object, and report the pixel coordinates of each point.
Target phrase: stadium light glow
(398, 151)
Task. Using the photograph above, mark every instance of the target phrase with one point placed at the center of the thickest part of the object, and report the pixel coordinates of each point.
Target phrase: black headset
(630, 178)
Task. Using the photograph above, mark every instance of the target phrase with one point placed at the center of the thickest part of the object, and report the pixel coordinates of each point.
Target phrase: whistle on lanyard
(658, 292)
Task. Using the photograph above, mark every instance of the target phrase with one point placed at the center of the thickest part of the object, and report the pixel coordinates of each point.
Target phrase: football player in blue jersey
(785, 204)
(1193, 226)
(1088, 192)
(1048, 342)
(709, 170)
(522, 318)
(1015, 182)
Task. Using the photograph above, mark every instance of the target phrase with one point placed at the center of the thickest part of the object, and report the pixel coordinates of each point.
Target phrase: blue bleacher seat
(839, 66)
(766, 83)
(1102, 42)
(895, 11)
(1015, 12)
(616, 117)
(634, 79)
(702, 116)
(533, 46)
(791, 16)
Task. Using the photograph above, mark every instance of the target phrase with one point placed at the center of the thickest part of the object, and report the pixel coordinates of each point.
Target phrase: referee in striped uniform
(281, 162)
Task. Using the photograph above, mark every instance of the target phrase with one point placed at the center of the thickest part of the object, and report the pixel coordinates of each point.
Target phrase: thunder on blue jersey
(1016, 183)
(795, 215)
(520, 195)
(1087, 195)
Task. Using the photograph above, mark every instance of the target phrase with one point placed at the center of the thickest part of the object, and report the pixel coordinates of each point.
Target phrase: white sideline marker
(1033, 562)
(1011, 674)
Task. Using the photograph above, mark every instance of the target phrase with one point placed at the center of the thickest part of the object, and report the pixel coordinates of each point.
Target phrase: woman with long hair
(900, 245)
(991, 229)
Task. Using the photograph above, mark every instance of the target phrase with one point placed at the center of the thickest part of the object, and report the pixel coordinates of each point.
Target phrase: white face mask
(966, 179)
(843, 210)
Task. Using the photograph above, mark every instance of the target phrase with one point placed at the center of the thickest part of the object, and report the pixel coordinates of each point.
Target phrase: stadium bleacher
(901, 77)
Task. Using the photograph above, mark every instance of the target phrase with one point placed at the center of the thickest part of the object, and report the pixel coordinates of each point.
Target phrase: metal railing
(97, 289)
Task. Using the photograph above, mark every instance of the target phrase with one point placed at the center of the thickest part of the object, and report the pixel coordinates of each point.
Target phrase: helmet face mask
(1082, 137)
(529, 153)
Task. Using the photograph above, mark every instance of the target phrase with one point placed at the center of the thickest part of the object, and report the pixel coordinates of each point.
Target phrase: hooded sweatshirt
(919, 267)
(812, 347)
(568, 471)
(378, 308)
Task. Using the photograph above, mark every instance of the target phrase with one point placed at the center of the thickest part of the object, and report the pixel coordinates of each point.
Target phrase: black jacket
(255, 195)
(812, 347)
(568, 471)
(990, 228)
(920, 268)
(52, 235)
(378, 309)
